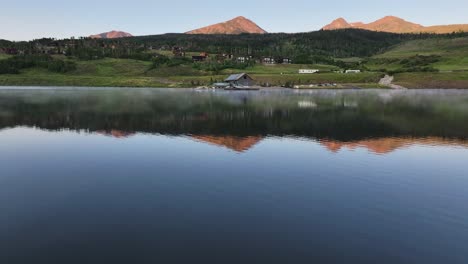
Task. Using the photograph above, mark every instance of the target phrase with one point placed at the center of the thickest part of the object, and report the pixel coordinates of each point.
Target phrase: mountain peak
(338, 23)
(234, 26)
(389, 19)
(240, 18)
(111, 35)
(393, 24)
(386, 24)
(392, 18)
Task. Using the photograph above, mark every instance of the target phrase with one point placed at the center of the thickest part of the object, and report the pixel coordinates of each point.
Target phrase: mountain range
(394, 24)
(240, 25)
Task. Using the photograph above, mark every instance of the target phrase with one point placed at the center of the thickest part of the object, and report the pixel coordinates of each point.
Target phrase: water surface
(275, 176)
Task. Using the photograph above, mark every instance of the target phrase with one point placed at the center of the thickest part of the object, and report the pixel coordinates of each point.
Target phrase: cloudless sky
(29, 19)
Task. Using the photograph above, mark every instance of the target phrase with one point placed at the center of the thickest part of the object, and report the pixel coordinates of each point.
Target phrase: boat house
(241, 79)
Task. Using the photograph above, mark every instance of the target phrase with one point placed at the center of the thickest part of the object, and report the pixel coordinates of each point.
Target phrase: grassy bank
(4, 56)
(289, 79)
(457, 80)
(91, 81)
(134, 73)
(452, 54)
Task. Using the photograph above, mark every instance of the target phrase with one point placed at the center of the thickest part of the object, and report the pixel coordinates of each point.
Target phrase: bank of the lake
(111, 72)
(135, 76)
(451, 80)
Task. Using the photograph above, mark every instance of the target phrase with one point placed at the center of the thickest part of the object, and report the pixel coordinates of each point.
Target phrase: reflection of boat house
(241, 79)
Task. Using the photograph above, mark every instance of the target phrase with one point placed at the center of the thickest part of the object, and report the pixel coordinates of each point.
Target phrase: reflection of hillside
(327, 114)
(387, 145)
(239, 144)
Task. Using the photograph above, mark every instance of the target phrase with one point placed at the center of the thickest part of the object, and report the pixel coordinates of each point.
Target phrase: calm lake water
(275, 176)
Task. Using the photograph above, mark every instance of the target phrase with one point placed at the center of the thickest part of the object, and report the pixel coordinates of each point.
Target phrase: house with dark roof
(241, 79)
(202, 57)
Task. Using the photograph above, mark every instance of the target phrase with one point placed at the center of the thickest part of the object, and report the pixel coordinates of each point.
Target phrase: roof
(235, 77)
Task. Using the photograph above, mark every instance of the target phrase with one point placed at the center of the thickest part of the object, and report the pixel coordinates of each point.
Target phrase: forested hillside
(181, 60)
(340, 43)
(301, 47)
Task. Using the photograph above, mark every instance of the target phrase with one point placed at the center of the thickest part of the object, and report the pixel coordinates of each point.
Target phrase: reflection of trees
(179, 113)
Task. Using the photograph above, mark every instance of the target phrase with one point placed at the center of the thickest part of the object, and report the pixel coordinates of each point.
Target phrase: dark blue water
(165, 176)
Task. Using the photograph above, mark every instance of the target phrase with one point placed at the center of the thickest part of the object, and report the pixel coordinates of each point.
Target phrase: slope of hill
(111, 35)
(452, 54)
(394, 24)
(235, 26)
(446, 29)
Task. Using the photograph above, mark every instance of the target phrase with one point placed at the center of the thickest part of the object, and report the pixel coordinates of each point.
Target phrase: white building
(352, 71)
(307, 71)
(242, 59)
(269, 60)
(287, 61)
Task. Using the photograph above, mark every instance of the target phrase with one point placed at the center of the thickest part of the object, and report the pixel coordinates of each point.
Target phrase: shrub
(14, 64)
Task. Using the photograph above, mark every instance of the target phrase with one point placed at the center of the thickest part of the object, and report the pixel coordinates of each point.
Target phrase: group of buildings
(204, 56)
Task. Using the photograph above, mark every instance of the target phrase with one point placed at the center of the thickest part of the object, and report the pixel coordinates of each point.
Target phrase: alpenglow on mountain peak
(238, 25)
(394, 24)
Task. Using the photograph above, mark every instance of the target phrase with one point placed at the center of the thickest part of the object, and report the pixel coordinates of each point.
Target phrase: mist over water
(179, 175)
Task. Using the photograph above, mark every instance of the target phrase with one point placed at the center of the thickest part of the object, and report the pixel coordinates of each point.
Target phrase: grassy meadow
(447, 60)
(4, 56)
(134, 73)
(457, 80)
(453, 54)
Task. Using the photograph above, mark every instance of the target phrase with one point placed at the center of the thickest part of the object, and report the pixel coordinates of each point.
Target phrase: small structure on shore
(353, 71)
(308, 71)
(240, 80)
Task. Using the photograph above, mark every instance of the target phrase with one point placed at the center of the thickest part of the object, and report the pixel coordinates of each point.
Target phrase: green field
(369, 78)
(284, 68)
(433, 80)
(91, 81)
(135, 73)
(453, 54)
(4, 56)
(453, 64)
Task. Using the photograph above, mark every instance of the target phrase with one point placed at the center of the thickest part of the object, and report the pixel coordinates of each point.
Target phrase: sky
(30, 19)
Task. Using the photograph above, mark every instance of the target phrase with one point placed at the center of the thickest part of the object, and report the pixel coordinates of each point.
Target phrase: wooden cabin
(241, 79)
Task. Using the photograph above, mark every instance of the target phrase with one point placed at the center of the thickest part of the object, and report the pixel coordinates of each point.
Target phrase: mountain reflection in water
(377, 146)
(378, 120)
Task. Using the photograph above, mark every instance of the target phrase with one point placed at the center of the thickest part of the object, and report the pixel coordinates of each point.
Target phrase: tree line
(302, 48)
(14, 64)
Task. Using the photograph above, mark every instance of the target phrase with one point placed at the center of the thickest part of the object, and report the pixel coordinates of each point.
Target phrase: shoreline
(51, 87)
(365, 81)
